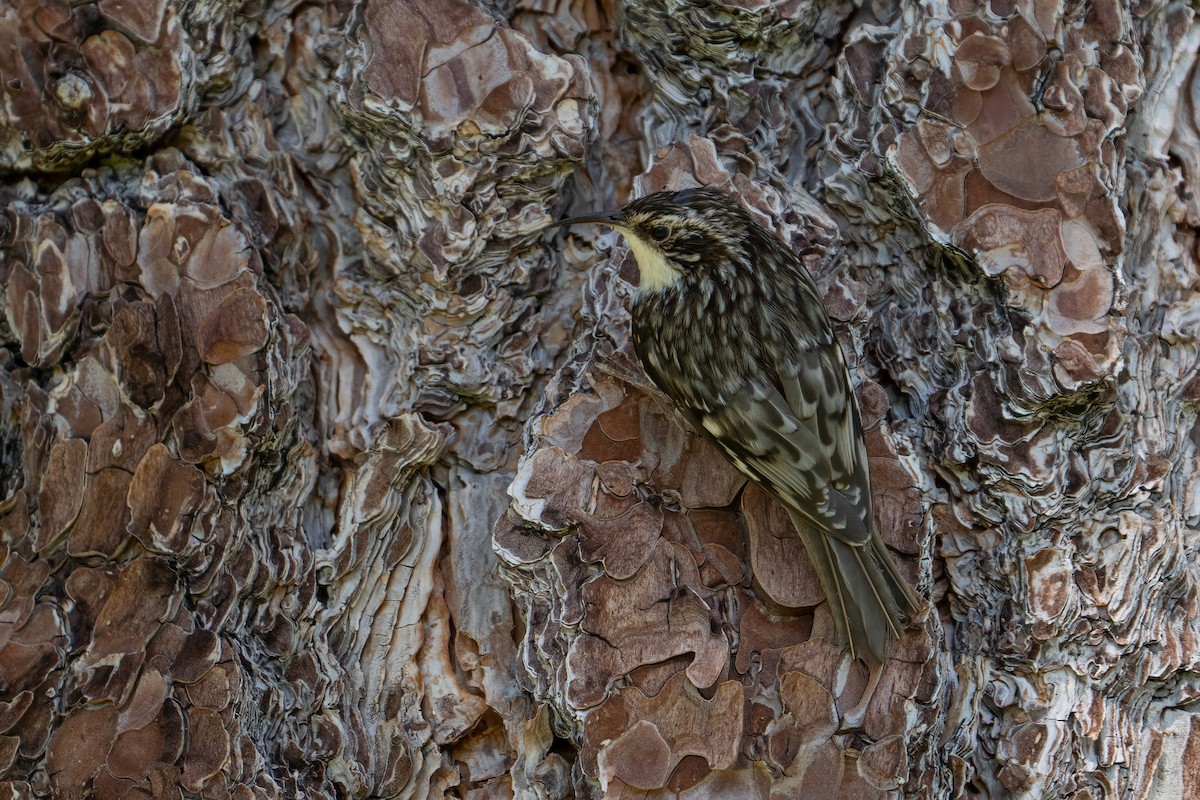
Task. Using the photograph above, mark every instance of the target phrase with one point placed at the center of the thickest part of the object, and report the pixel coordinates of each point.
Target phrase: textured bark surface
(325, 472)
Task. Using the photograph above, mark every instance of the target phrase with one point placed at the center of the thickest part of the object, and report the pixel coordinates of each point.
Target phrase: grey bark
(326, 472)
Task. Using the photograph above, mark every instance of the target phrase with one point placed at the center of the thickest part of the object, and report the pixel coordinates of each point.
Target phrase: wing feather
(802, 441)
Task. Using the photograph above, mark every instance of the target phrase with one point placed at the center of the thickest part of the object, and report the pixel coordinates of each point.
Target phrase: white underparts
(657, 273)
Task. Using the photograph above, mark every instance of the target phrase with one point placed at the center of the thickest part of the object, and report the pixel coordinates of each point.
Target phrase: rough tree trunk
(325, 474)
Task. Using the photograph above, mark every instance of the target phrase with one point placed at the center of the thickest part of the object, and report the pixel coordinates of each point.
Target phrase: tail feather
(869, 599)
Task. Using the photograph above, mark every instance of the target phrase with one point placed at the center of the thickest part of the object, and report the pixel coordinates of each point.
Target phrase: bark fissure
(327, 471)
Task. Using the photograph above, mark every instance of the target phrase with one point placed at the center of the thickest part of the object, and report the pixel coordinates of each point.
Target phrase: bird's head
(676, 235)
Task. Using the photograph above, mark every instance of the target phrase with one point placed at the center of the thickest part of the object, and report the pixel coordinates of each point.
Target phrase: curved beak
(604, 218)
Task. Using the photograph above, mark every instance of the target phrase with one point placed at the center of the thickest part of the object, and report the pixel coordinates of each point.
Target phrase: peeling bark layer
(1035, 141)
(325, 472)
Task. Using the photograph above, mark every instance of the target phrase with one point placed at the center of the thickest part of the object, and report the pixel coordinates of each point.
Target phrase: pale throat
(656, 271)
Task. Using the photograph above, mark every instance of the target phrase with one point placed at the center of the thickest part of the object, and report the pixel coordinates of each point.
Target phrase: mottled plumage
(728, 323)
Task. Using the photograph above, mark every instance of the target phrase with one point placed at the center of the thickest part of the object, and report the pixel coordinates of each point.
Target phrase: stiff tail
(869, 599)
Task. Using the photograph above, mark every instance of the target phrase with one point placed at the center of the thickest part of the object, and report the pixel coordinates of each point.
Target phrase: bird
(728, 323)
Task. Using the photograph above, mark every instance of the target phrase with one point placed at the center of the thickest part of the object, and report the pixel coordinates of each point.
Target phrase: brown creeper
(728, 323)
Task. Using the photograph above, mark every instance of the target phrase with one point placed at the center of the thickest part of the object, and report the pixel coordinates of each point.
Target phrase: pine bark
(327, 472)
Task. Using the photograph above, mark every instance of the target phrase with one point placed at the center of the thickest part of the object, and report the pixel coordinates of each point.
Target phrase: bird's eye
(659, 233)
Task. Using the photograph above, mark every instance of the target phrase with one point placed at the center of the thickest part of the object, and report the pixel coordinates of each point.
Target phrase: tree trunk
(327, 473)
